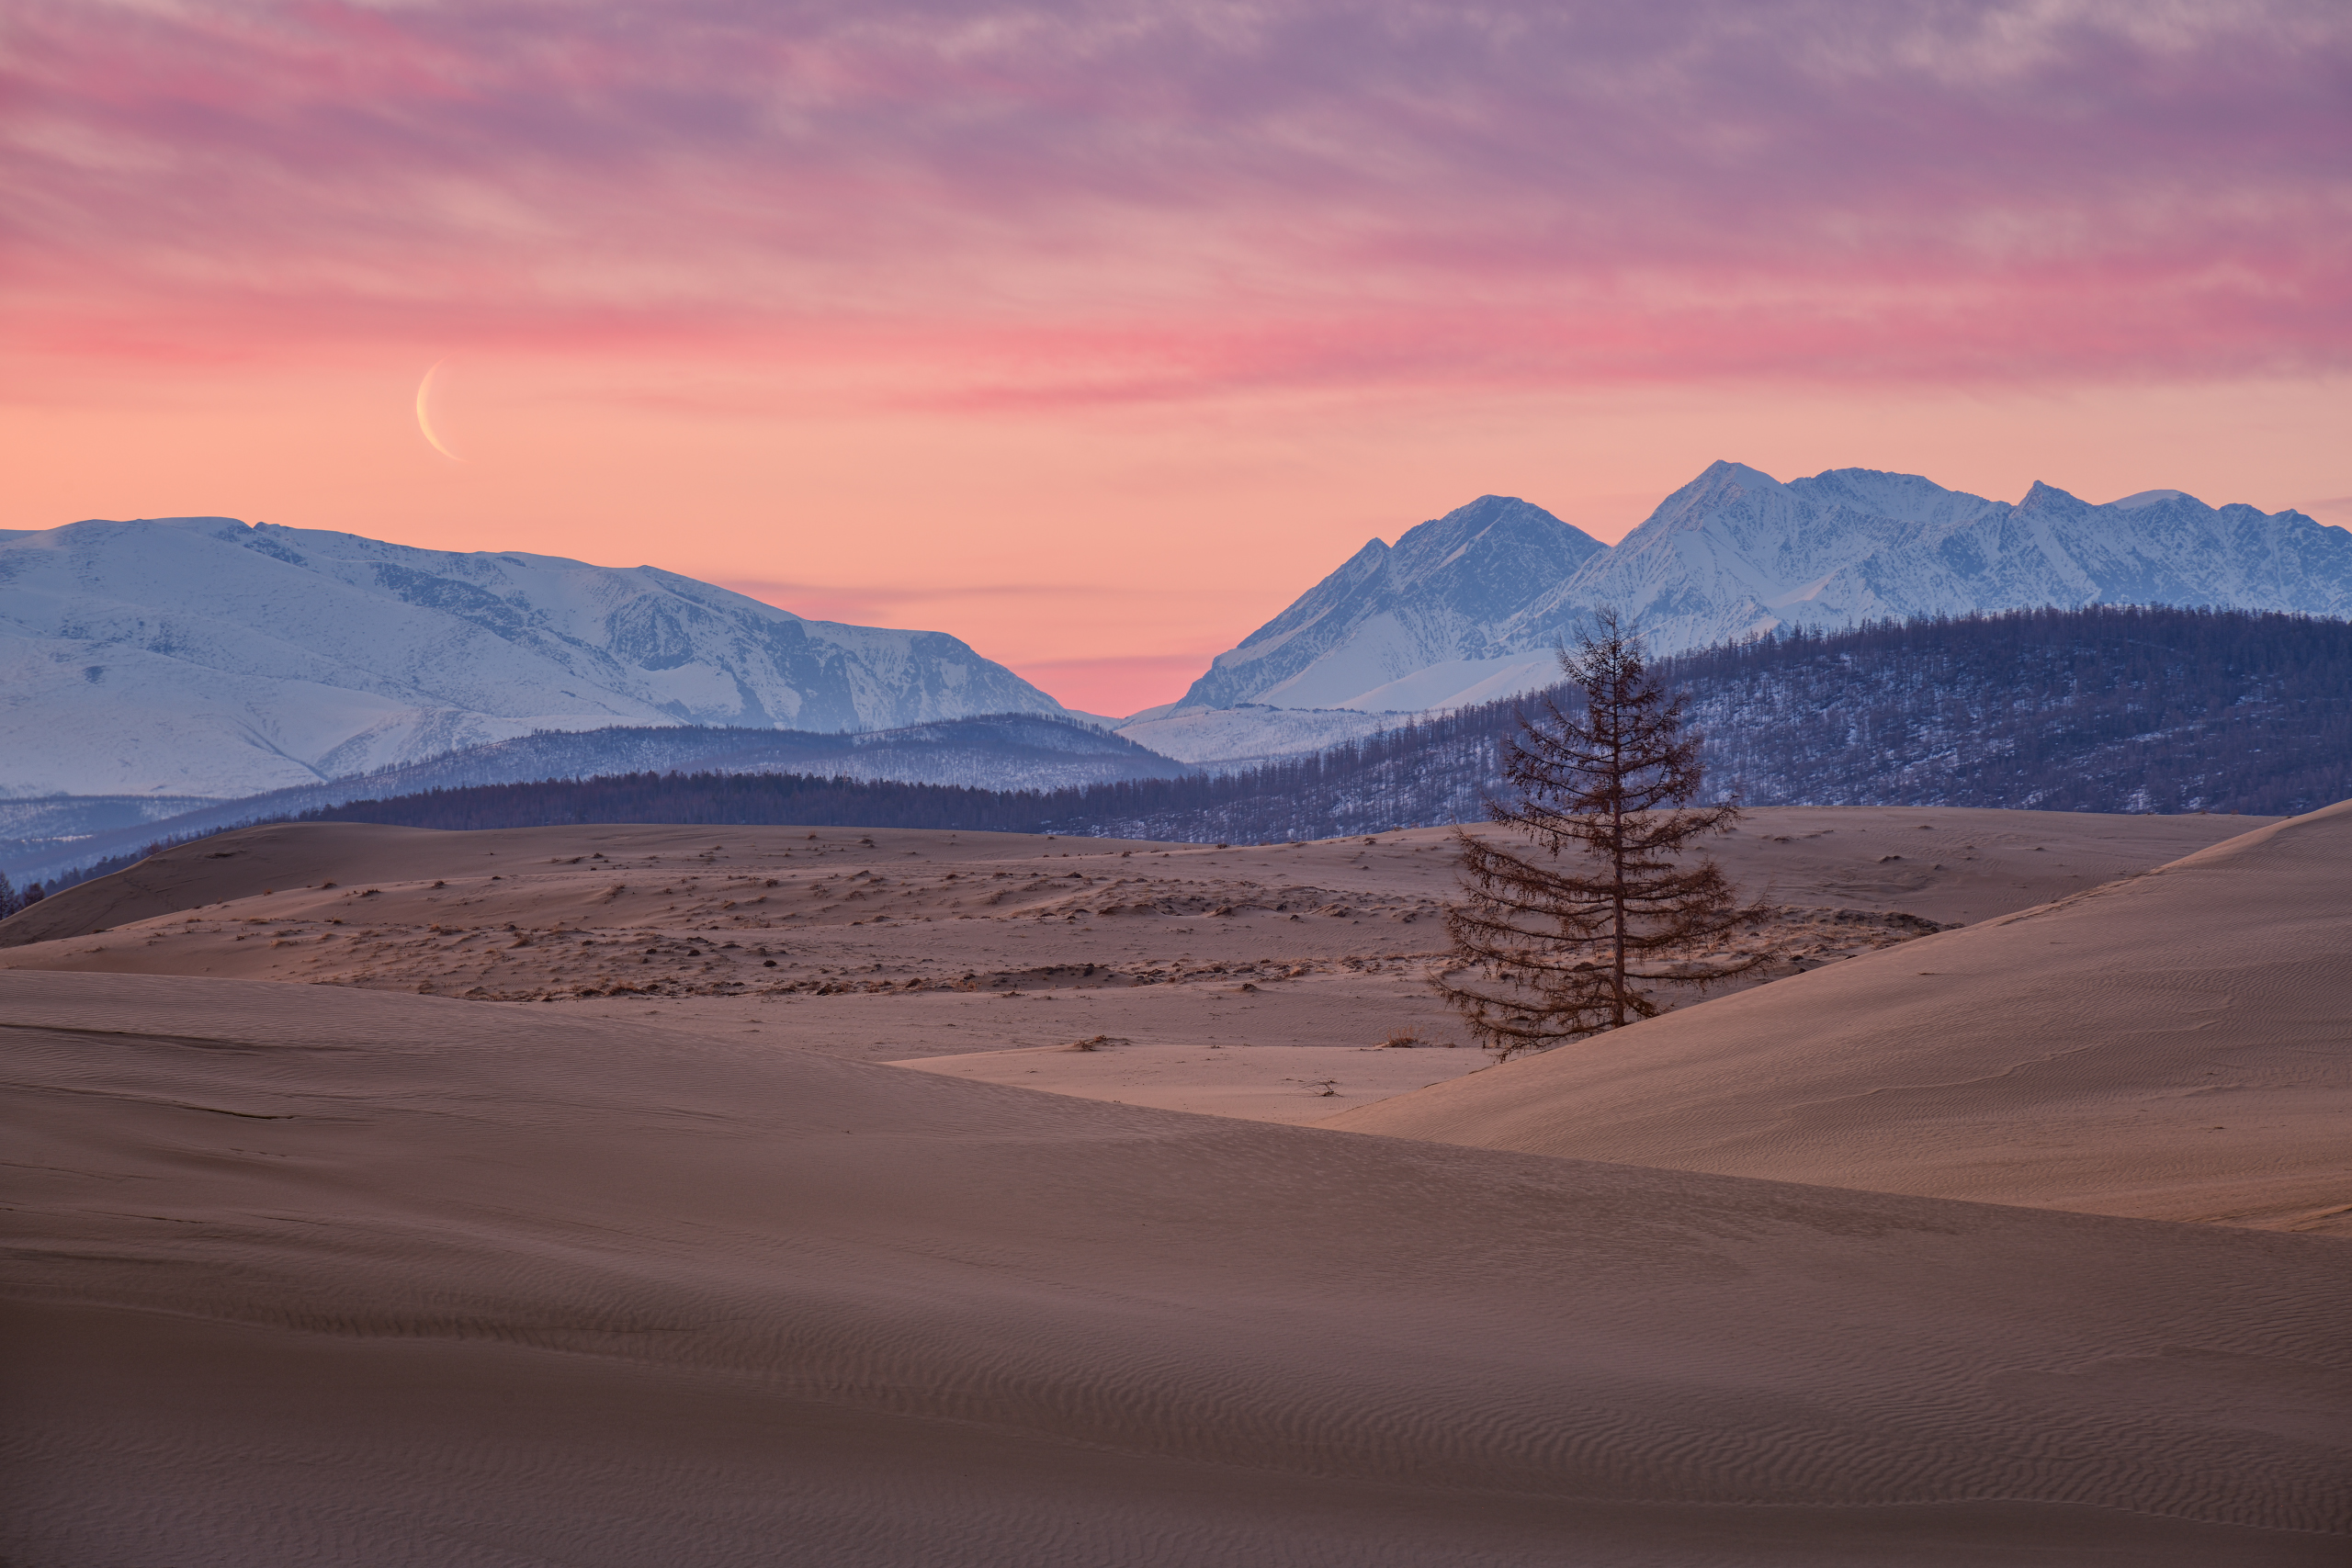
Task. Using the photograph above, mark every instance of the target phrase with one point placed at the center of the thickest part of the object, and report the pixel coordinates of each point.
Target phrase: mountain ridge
(2112, 709)
(1737, 553)
(205, 655)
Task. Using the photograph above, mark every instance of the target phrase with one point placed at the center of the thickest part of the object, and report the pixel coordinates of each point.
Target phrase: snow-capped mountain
(1736, 552)
(201, 656)
(1395, 627)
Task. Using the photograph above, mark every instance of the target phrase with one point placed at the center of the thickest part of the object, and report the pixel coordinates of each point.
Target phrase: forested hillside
(2114, 709)
(2108, 709)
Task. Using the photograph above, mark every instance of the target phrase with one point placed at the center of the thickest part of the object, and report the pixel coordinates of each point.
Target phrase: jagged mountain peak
(2040, 497)
(1482, 543)
(1468, 523)
(1738, 551)
(1724, 474)
(1719, 486)
(1392, 611)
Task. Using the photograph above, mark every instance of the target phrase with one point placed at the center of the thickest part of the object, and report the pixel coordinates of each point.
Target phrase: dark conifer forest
(2119, 709)
(2106, 709)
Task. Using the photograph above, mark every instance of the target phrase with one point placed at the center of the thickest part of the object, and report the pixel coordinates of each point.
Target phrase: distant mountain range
(1468, 608)
(2105, 709)
(152, 667)
(201, 657)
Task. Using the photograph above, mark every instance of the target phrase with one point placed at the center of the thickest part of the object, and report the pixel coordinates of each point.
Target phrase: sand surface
(2175, 1046)
(325, 1275)
(1217, 966)
(1292, 1083)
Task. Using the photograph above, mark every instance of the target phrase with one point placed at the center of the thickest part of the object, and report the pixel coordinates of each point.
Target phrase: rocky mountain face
(1736, 552)
(200, 656)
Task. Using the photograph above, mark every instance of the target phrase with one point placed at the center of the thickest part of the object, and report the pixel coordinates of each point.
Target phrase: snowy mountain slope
(998, 751)
(200, 656)
(1223, 740)
(1736, 552)
(1436, 596)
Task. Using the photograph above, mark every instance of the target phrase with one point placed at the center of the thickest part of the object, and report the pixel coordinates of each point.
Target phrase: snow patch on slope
(1227, 740)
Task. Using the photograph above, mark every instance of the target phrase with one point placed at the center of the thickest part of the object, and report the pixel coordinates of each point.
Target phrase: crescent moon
(423, 422)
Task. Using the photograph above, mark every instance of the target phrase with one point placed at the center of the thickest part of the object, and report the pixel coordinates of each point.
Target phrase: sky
(1094, 334)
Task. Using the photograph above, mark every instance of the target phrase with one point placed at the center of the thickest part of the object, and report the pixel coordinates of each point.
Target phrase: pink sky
(1094, 334)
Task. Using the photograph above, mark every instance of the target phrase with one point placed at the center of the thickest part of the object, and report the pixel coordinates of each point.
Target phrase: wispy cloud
(1011, 205)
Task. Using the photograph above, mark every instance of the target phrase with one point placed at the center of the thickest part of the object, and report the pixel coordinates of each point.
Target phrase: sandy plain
(667, 1262)
(1251, 981)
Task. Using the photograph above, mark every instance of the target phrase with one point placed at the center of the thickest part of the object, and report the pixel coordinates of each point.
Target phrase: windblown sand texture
(312, 1275)
(2176, 1046)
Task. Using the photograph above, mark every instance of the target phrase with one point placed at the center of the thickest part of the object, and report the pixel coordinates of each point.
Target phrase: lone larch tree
(1567, 933)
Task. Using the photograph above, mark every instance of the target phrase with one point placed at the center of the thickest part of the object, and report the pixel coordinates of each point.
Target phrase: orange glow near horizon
(1106, 556)
(1096, 345)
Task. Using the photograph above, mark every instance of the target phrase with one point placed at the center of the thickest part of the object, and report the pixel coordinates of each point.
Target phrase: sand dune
(311, 1274)
(2175, 1046)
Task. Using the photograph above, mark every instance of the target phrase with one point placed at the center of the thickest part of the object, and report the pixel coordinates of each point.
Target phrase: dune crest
(2172, 1046)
